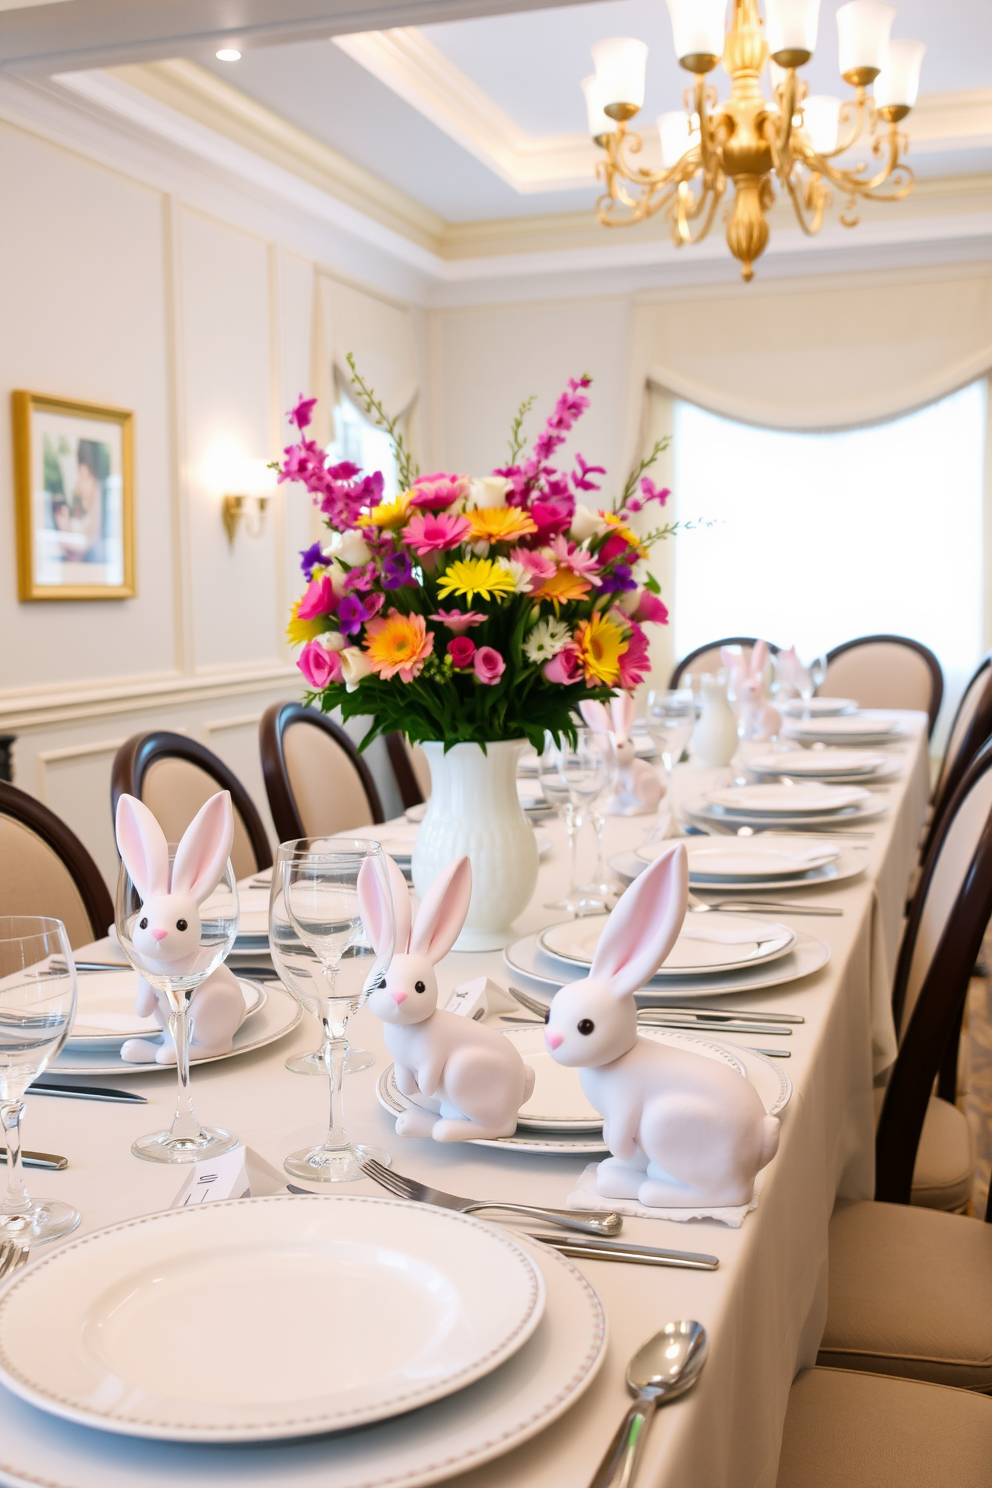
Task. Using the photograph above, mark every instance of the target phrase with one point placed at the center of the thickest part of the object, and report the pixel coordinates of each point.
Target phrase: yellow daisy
(601, 644)
(500, 524)
(298, 631)
(391, 513)
(470, 576)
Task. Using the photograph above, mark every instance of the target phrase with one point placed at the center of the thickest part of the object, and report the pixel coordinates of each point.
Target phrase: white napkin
(586, 1196)
(701, 927)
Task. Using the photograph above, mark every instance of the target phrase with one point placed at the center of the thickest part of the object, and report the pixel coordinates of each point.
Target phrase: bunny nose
(159, 934)
(553, 1040)
(399, 997)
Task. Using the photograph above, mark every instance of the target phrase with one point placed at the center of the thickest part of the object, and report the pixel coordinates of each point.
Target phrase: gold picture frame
(73, 498)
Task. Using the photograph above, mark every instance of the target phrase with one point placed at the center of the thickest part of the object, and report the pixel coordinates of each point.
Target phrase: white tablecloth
(764, 1308)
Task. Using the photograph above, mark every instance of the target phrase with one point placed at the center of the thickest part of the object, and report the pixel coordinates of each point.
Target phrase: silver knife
(49, 1160)
(618, 1250)
(85, 1092)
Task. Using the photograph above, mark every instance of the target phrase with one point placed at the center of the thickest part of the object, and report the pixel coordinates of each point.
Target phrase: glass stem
(335, 1051)
(599, 872)
(574, 821)
(16, 1199)
(185, 1126)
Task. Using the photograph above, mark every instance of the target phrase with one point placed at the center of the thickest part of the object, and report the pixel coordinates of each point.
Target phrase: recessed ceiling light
(228, 54)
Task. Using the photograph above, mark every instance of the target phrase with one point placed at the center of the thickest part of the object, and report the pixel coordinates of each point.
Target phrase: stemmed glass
(187, 1140)
(585, 772)
(37, 1009)
(670, 719)
(811, 679)
(324, 957)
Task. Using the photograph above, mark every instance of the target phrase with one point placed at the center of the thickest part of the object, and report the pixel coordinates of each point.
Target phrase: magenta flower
(459, 621)
(361, 579)
(319, 599)
(581, 482)
(652, 492)
(433, 533)
(301, 414)
(650, 609)
(435, 492)
(566, 667)
(552, 516)
(635, 662)
(319, 665)
(579, 560)
(613, 547)
(488, 665)
(461, 650)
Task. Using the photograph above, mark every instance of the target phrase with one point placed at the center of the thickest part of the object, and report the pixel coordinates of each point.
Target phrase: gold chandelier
(747, 139)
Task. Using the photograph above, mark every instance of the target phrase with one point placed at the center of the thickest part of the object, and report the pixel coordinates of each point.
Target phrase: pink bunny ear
(759, 657)
(142, 846)
(374, 915)
(622, 713)
(205, 848)
(442, 913)
(596, 716)
(645, 924)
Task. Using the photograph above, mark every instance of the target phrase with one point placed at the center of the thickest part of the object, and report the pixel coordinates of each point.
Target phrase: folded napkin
(586, 1196)
(701, 927)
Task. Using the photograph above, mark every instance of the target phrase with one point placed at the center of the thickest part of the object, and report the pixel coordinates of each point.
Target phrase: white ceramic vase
(474, 809)
(714, 739)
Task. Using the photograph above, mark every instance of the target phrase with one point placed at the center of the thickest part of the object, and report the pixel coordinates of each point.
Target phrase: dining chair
(413, 773)
(972, 727)
(707, 658)
(846, 1429)
(174, 776)
(46, 870)
(316, 781)
(886, 671)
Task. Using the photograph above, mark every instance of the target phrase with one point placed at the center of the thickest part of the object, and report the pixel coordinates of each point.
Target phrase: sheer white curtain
(818, 538)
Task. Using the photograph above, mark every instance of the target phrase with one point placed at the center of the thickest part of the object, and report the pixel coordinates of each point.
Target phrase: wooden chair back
(413, 773)
(46, 870)
(707, 658)
(316, 781)
(886, 671)
(972, 727)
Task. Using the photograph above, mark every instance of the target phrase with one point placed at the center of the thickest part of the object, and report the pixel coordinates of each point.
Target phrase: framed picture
(74, 495)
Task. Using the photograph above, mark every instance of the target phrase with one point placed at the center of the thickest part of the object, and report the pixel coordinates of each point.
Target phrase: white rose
(487, 490)
(629, 600)
(354, 666)
(338, 577)
(333, 640)
(350, 547)
(585, 524)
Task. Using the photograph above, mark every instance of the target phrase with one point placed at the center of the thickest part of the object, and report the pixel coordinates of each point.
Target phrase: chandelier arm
(851, 181)
(814, 199)
(681, 214)
(859, 103)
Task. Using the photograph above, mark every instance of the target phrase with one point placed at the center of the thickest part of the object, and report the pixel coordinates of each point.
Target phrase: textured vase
(474, 809)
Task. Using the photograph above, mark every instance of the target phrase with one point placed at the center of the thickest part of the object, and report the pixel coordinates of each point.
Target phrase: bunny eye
(586, 1025)
(181, 925)
(143, 924)
(419, 987)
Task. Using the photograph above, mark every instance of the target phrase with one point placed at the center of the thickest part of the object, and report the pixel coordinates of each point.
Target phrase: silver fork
(587, 1220)
(12, 1255)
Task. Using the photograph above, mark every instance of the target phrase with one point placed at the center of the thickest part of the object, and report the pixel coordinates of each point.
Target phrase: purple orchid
(397, 570)
(309, 558)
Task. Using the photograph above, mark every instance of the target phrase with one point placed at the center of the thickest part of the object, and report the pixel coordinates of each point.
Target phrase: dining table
(763, 1308)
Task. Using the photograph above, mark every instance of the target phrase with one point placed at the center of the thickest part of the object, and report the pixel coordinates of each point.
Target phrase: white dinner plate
(822, 763)
(105, 1014)
(546, 973)
(704, 811)
(397, 838)
(818, 707)
(856, 728)
(850, 862)
(725, 942)
(807, 799)
(268, 1318)
(746, 857)
(278, 1015)
(523, 1397)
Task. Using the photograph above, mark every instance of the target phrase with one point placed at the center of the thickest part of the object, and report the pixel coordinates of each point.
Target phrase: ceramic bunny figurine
(168, 932)
(685, 1131)
(467, 1080)
(760, 720)
(638, 788)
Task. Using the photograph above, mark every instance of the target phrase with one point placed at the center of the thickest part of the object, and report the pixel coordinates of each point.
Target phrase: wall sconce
(245, 486)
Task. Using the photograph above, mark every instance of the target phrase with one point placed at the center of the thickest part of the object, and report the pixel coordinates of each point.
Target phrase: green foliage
(371, 406)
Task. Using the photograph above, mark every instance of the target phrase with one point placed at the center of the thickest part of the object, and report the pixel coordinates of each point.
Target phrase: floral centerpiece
(474, 611)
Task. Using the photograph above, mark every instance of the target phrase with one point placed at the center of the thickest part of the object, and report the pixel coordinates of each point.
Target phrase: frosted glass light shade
(620, 66)
(698, 29)
(678, 134)
(821, 118)
(599, 123)
(863, 28)
(790, 27)
(898, 83)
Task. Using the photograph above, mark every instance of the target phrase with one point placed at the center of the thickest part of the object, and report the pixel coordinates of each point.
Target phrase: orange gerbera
(396, 643)
(563, 586)
(500, 524)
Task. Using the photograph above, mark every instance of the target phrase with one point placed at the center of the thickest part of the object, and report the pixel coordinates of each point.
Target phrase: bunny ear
(375, 915)
(142, 846)
(759, 656)
(442, 913)
(622, 711)
(645, 924)
(205, 848)
(596, 716)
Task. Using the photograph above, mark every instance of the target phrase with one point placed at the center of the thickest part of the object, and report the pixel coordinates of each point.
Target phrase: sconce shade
(678, 133)
(898, 83)
(698, 29)
(821, 118)
(863, 28)
(599, 122)
(790, 27)
(621, 63)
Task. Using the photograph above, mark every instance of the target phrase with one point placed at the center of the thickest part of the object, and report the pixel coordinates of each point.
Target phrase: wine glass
(670, 719)
(187, 1140)
(587, 771)
(37, 1009)
(323, 955)
(818, 673)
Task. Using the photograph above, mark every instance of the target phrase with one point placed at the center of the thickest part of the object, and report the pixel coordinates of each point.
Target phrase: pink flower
(459, 621)
(488, 665)
(581, 482)
(539, 564)
(634, 662)
(552, 514)
(577, 559)
(319, 665)
(435, 492)
(361, 578)
(651, 492)
(319, 599)
(433, 534)
(300, 415)
(650, 608)
(566, 667)
(461, 650)
(613, 547)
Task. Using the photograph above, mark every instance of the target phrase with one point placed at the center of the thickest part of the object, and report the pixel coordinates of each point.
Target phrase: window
(358, 440)
(823, 537)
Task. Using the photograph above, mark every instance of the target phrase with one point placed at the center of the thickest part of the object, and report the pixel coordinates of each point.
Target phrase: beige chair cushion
(853, 1430)
(910, 1293)
(35, 881)
(174, 790)
(882, 674)
(945, 1159)
(328, 790)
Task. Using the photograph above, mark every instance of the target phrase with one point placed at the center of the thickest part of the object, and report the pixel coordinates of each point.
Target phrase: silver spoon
(661, 1370)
